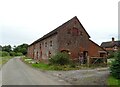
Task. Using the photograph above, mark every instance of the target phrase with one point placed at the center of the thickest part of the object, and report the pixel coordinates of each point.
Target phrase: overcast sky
(24, 21)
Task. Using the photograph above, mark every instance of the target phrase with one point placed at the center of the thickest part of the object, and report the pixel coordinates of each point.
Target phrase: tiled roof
(110, 44)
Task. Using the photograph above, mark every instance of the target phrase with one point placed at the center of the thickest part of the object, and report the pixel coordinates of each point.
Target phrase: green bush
(115, 67)
(18, 54)
(4, 53)
(60, 59)
(73, 65)
(0, 53)
(111, 56)
(12, 53)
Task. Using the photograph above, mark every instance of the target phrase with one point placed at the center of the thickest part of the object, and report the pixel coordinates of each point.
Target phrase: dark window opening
(81, 33)
(49, 54)
(40, 54)
(40, 46)
(69, 43)
(69, 31)
(45, 44)
(75, 31)
(51, 43)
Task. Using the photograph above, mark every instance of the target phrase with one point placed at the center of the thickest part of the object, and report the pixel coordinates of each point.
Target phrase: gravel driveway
(96, 76)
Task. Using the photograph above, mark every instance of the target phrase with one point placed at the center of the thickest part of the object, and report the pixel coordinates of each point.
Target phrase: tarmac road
(15, 72)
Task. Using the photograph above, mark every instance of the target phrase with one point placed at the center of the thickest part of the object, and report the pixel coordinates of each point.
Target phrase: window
(75, 31)
(49, 54)
(40, 46)
(81, 33)
(68, 43)
(51, 43)
(69, 31)
(45, 44)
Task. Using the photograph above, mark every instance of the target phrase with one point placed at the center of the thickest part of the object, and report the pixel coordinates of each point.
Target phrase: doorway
(85, 54)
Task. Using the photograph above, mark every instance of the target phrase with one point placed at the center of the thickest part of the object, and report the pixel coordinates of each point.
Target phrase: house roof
(110, 44)
(56, 30)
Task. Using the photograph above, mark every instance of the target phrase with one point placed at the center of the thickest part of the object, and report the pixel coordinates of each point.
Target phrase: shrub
(60, 59)
(111, 56)
(19, 54)
(72, 65)
(12, 53)
(115, 67)
(4, 53)
(0, 53)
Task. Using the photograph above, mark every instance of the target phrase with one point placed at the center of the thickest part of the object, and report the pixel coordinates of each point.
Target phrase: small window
(69, 31)
(51, 43)
(75, 31)
(40, 46)
(49, 54)
(81, 33)
(45, 44)
(69, 43)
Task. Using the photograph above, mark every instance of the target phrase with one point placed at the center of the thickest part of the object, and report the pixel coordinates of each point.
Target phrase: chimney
(113, 39)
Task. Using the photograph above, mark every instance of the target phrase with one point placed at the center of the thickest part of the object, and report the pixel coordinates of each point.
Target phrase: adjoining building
(111, 46)
(72, 38)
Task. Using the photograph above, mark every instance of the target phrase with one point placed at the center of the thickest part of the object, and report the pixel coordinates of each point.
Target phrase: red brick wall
(94, 49)
(70, 40)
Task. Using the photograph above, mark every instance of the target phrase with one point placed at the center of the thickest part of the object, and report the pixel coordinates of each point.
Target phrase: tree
(4, 53)
(115, 67)
(7, 48)
(0, 48)
(21, 49)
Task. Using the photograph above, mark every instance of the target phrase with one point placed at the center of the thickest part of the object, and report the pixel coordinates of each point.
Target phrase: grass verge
(111, 81)
(44, 66)
(5, 59)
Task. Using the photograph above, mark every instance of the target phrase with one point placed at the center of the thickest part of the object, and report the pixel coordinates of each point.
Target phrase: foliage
(4, 59)
(44, 66)
(60, 59)
(16, 51)
(12, 53)
(4, 53)
(21, 48)
(18, 54)
(115, 67)
(111, 55)
(7, 48)
(112, 81)
(0, 48)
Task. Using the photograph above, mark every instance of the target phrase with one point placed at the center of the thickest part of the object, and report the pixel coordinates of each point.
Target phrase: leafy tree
(115, 67)
(18, 54)
(4, 53)
(21, 48)
(12, 53)
(7, 48)
(0, 48)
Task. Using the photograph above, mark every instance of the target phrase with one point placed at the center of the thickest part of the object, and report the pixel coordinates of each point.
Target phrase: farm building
(111, 46)
(70, 37)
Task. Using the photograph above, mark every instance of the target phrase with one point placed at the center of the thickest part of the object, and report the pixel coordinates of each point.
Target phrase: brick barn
(70, 37)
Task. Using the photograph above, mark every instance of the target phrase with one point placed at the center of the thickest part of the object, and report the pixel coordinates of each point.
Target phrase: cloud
(27, 20)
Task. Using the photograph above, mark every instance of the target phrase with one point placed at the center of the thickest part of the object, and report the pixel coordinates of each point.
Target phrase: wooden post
(88, 61)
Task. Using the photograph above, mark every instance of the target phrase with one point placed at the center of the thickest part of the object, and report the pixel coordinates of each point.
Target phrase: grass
(44, 66)
(113, 81)
(5, 59)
